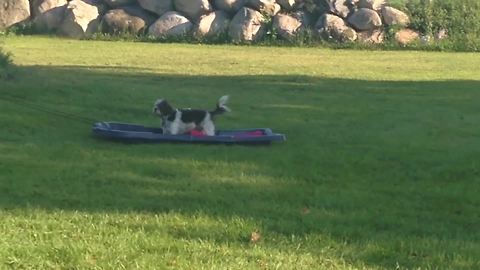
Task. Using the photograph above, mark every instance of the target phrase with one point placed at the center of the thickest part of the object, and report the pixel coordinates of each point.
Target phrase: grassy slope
(381, 168)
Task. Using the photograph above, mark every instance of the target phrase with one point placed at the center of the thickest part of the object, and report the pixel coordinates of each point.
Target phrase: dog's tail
(221, 107)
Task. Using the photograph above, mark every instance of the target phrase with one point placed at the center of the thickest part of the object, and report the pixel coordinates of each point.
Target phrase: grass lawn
(381, 169)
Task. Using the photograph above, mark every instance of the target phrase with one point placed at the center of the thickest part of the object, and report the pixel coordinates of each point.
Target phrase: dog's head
(162, 108)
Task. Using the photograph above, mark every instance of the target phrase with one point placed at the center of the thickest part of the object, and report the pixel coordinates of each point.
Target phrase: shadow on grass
(366, 162)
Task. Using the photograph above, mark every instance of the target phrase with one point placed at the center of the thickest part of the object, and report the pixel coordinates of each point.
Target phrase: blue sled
(131, 133)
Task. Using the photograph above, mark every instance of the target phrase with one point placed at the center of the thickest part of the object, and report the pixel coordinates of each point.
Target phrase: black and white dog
(181, 121)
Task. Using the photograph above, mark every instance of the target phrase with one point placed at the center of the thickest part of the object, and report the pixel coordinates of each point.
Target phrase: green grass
(5, 64)
(381, 169)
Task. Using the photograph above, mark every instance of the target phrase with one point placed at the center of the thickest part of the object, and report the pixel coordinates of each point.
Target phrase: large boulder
(247, 25)
(157, 6)
(287, 26)
(48, 14)
(13, 12)
(269, 7)
(371, 4)
(365, 19)
(81, 19)
(213, 24)
(230, 6)
(393, 16)
(192, 9)
(339, 7)
(406, 36)
(129, 19)
(332, 27)
(119, 3)
(170, 24)
(376, 36)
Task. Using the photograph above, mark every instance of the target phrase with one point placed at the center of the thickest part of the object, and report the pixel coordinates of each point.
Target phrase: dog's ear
(156, 106)
(163, 107)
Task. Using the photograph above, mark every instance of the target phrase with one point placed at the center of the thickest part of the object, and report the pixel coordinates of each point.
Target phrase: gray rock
(333, 27)
(304, 17)
(425, 39)
(48, 14)
(192, 9)
(365, 19)
(269, 7)
(81, 19)
(352, 3)
(248, 25)
(129, 19)
(441, 34)
(230, 6)
(119, 3)
(13, 12)
(170, 24)
(326, 22)
(376, 36)
(371, 4)
(406, 36)
(287, 26)
(213, 24)
(157, 6)
(339, 7)
(393, 16)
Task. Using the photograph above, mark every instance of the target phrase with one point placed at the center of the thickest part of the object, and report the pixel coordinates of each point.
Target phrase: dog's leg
(174, 128)
(209, 128)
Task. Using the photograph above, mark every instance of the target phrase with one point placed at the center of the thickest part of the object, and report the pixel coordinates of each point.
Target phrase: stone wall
(239, 20)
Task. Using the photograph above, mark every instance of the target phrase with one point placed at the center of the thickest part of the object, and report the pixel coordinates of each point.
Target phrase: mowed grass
(381, 169)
